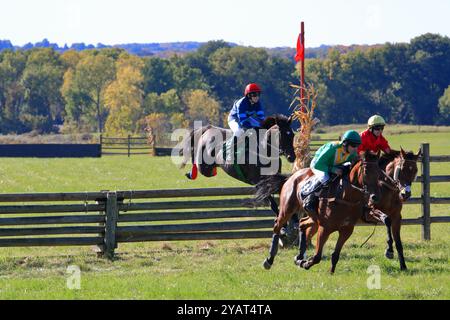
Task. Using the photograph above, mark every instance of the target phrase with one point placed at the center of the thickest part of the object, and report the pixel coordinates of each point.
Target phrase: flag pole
(302, 75)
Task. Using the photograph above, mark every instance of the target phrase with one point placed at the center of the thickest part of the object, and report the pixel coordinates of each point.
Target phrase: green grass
(215, 269)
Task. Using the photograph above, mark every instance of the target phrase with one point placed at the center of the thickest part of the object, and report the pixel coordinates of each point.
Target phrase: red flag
(300, 55)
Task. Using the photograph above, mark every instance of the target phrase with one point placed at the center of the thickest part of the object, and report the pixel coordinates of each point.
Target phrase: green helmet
(351, 136)
(376, 121)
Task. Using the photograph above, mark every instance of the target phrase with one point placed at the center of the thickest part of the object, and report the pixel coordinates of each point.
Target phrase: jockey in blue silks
(247, 112)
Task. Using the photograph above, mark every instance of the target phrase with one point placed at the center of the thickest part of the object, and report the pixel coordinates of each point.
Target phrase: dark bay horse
(207, 142)
(395, 189)
(359, 191)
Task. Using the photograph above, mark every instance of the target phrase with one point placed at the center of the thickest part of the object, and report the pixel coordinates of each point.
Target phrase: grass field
(215, 269)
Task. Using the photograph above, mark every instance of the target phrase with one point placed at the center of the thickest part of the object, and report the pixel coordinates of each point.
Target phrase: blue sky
(247, 22)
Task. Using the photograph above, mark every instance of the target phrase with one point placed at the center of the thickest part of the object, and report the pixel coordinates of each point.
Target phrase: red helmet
(252, 87)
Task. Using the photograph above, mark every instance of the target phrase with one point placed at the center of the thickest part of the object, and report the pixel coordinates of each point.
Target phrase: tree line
(110, 90)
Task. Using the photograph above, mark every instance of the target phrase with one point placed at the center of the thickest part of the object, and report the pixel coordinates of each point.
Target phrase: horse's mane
(273, 120)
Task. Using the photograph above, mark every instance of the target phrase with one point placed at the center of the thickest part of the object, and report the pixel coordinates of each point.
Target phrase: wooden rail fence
(106, 218)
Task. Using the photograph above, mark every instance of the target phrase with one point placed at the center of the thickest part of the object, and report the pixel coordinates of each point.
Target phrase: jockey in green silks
(327, 160)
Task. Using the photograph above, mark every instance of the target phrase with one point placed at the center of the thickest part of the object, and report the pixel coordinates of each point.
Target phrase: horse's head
(368, 174)
(403, 169)
(281, 124)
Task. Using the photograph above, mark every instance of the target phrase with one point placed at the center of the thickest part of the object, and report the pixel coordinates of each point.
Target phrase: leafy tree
(158, 75)
(85, 85)
(12, 91)
(124, 96)
(201, 107)
(41, 79)
(444, 107)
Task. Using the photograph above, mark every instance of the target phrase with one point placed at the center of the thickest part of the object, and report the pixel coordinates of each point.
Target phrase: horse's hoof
(267, 265)
(389, 254)
(297, 258)
(305, 265)
(403, 268)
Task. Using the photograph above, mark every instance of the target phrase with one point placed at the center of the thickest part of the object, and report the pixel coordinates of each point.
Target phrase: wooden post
(426, 203)
(101, 143)
(100, 249)
(112, 215)
(129, 145)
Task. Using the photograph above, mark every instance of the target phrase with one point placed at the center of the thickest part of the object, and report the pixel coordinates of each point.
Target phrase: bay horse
(207, 141)
(359, 191)
(395, 189)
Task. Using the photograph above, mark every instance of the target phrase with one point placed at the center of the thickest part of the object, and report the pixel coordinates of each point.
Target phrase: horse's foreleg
(344, 234)
(306, 231)
(389, 253)
(396, 225)
(322, 237)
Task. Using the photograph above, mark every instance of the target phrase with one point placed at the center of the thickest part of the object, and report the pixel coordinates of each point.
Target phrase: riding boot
(311, 202)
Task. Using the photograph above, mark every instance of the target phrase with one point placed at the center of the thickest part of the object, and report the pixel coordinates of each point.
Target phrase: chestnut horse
(395, 189)
(334, 214)
(400, 171)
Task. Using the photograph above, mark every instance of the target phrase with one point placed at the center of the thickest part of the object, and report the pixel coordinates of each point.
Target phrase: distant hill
(170, 48)
(140, 49)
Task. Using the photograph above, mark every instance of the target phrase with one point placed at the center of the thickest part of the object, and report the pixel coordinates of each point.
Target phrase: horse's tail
(188, 144)
(269, 185)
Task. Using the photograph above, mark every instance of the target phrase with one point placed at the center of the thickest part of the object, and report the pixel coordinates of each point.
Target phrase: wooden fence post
(426, 203)
(129, 145)
(112, 215)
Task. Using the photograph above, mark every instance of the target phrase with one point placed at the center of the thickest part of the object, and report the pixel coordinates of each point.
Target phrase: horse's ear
(419, 153)
(402, 152)
(378, 153)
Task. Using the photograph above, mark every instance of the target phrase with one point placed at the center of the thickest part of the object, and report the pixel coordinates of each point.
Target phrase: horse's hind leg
(280, 221)
(344, 234)
(272, 252)
(396, 225)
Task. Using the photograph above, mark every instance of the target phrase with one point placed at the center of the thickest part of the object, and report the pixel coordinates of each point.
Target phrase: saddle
(333, 190)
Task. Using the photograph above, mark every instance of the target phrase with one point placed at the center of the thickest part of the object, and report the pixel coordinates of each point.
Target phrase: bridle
(395, 183)
(364, 166)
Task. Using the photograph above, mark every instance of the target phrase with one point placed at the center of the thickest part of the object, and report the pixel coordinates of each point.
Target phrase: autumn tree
(202, 107)
(84, 88)
(124, 96)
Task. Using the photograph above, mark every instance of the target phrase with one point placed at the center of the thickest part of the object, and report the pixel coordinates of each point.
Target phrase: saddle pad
(308, 187)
